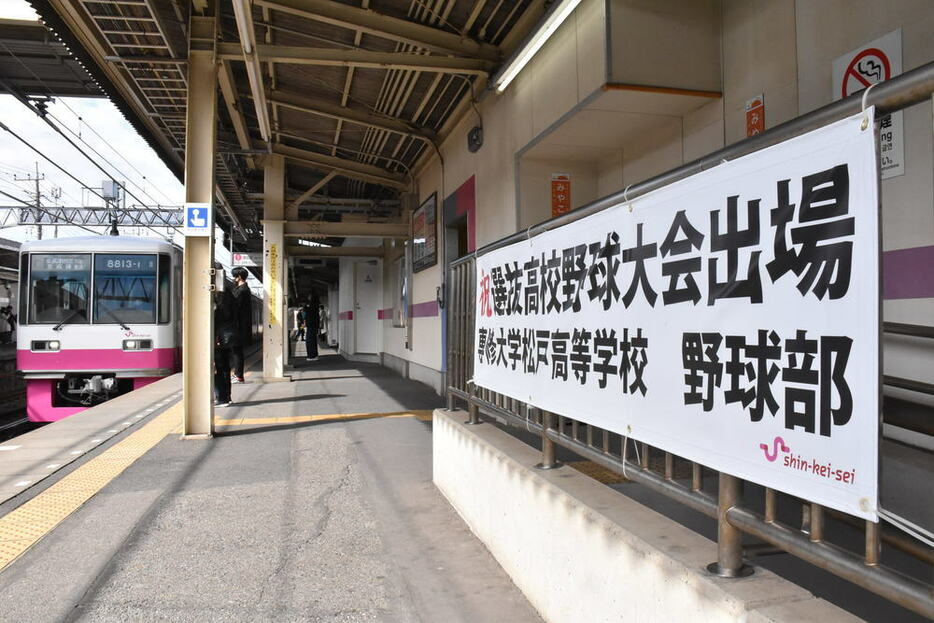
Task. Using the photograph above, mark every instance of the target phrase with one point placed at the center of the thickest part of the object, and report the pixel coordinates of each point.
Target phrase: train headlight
(45, 345)
(137, 344)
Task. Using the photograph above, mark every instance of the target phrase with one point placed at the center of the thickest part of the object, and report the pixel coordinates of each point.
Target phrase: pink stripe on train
(96, 359)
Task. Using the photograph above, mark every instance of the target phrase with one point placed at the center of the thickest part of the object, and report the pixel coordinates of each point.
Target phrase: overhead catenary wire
(51, 94)
(102, 157)
(42, 115)
(5, 127)
(103, 170)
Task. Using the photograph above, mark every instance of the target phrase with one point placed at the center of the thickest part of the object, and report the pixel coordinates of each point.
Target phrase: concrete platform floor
(281, 517)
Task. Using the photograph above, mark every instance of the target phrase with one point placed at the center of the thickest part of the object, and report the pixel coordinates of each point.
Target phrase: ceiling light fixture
(533, 43)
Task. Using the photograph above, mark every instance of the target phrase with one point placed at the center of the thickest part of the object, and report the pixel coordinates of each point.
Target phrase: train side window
(165, 289)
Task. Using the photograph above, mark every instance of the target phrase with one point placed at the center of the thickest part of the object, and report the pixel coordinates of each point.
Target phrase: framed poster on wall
(425, 234)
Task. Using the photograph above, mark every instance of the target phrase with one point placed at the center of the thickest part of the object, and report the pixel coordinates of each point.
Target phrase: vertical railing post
(549, 460)
(473, 410)
(873, 543)
(729, 539)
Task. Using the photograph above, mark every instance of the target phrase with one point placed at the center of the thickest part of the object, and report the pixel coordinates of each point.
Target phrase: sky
(94, 124)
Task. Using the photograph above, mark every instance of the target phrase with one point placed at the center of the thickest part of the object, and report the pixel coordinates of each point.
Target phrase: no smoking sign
(870, 64)
(866, 69)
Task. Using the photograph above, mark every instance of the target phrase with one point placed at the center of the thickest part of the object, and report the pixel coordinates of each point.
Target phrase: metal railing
(686, 486)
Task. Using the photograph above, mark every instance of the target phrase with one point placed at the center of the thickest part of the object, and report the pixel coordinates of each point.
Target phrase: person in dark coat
(243, 314)
(313, 320)
(226, 339)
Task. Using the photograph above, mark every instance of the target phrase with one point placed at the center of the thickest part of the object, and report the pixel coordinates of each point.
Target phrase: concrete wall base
(415, 371)
(581, 551)
(359, 357)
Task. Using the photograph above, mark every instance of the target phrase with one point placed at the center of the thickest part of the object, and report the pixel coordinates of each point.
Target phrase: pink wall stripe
(427, 309)
(424, 310)
(908, 273)
(345, 315)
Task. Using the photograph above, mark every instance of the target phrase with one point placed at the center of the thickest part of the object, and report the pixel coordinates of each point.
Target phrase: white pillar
(197, 306)
(274, 277)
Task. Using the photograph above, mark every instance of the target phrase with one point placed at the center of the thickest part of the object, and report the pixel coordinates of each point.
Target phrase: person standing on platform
(226, 339)
(243, 315)
(313, 320)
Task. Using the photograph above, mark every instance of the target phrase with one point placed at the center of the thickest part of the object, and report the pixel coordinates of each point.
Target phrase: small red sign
(755, 116)
(560, 193)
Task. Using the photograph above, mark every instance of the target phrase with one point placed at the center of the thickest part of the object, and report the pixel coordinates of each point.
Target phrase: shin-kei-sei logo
(771, 453)
(486, 308)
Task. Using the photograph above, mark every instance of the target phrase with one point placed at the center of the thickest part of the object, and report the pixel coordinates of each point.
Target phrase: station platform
(314, 501)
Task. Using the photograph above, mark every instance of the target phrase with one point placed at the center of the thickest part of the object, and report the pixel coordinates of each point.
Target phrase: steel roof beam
(244, 15)
(228, 90)
(392, 28)
(292, 208)
(315, 106)
(304, 229)
(359, 58)
(345, 167)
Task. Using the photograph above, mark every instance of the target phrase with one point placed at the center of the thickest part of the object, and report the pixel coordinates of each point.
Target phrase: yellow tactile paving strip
(26, 525)
(421, 414)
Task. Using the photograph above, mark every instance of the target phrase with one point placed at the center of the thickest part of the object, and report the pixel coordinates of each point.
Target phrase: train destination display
(731, 318)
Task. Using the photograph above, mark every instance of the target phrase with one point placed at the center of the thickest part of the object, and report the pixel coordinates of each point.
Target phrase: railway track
(13, 421)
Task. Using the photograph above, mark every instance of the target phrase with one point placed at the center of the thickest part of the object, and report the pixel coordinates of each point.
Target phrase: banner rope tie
(626, 451)
(865, 123)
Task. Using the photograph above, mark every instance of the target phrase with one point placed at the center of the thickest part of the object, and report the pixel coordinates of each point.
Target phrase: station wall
(557, 114)
(347, 315)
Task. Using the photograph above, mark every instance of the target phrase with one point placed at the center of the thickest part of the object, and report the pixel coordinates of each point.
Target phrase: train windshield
(124, 288)
(60, 285)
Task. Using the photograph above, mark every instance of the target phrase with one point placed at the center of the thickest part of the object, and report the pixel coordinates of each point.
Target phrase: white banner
(731, 318)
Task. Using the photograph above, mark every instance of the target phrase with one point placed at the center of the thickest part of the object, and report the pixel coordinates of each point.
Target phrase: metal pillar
(729, 539)
(197, 306)
(274, 281)
(549, 460)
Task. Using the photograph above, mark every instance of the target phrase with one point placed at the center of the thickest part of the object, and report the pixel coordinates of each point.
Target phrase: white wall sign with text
(731, 318)
(869, 64)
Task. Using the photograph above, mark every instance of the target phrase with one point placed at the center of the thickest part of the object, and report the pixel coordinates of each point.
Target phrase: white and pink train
(99, 317)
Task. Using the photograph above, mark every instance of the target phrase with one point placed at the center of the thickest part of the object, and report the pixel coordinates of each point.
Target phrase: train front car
(98, 318)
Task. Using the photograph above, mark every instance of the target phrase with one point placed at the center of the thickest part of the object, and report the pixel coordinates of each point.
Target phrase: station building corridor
(314, 502)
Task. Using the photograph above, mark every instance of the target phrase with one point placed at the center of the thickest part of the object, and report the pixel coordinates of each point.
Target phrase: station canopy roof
(33, 61)
(351, 92)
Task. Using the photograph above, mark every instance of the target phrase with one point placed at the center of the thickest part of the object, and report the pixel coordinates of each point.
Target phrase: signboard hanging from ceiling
(731, 318)
(869, 64)
(249, 260)
(425, 234)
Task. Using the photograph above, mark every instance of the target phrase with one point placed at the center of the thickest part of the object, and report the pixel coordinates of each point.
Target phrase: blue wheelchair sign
(198, 219)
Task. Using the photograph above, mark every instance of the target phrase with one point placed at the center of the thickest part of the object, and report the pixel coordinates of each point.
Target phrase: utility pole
(37, 178)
